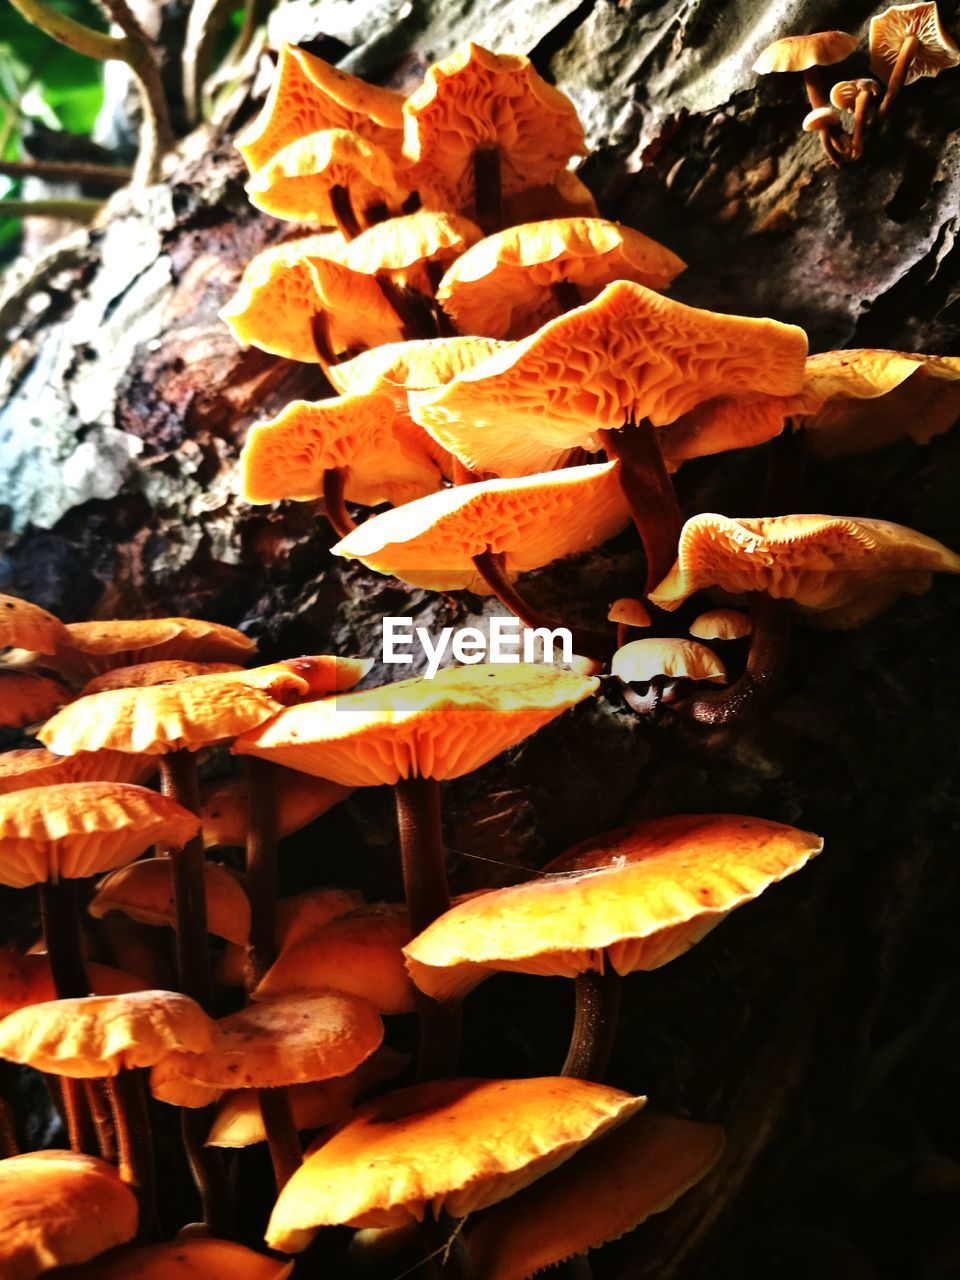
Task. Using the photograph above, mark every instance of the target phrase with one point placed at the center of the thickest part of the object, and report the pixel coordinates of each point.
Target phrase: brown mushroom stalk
(786, 468)
(343, 212)
(834, 149)
(761, 675)
(595, 1024)
(135, 1153)
(649, 493)
(488, 188)
(898, 76)
(286, 1154)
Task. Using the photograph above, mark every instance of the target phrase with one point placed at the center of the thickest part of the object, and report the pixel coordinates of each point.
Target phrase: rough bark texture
(820, 1024)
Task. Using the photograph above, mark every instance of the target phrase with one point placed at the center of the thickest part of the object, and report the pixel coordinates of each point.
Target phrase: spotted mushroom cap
(451, 1145)
(95, 647)
(439, 728)
(26, 698)
(26, 626)
(631, 353)
(197, 1258)
(502, 286)
(631, 899)
(144, 674)
(641, 661)
(300, 800)
(308, 95)
(531, 521)
(60, 1207)
(841, 568)
(407, 248)
(418, 364)
(889, 29)
(100, 1035)
(144, 892)
(800, 53)
(79, 828)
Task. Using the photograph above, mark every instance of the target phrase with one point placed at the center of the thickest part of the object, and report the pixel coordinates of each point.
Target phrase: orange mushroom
(396, 366)
(27, 626)
(143, 891)
(94, 647)
(196, 1258)
(860, 97)
(142, 675)
(628, 612)
(907, 41)
(27, 698)
(37, 767)
(807, 54)
(225, 810)
(651, 670)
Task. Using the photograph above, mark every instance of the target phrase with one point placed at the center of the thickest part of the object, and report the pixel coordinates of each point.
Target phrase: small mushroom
(143, 891)
(626, 613)
(721, 624)
(194, 1257)
(807, 54)
(656, 670)
(907, 42)
(860, 97)
(822, 120)
(27, 698)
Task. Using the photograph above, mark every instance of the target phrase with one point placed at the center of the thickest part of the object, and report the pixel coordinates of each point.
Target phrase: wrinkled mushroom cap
(101, 1035)
(26, 626)
(630, 899)
(288, 1040)
(300, 800)
(26, 698)
(502, 286)
(197, 1258)
(418, 364)
(403, 248)
(531, 521)
(79, 828)
(38, 767)
(384, 455)
(721, 624)
(825, 564)
(308, 95)
(144, 892)
(629, 354)
(845, 93)
(889, 29)
(143, 675)
(475, 99)
(452, 1145)
(59, 1207)
(439, 728)
(800, 53)
(361, 952)
(641, 661)
(606, 1190)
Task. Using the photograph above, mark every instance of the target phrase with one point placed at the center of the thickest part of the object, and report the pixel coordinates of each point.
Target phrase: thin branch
(156, 132)
(66, 171)
(76, 36)
(79, 210)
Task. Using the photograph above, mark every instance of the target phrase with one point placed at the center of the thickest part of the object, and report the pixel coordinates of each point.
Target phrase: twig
(206, 21)
(80, 209)
(67, 171)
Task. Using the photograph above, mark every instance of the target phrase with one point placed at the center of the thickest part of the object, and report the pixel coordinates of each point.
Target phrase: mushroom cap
(631, 353)
(403, 248)
(300, 798)
(385, 456)
(100, 646)
(361, 952)
(502, 286)
(845, 93)
(239, 1121)
(285, 288)
(889, 29)
(144, 892)
(297, 181)
(59, 1207)
(289, 1040)
(474, 100)
(631, 899)
(195, 712)
(565, 196)
(727, 422)
(79, 828)
(819, 118)
(629, 612)
(27, 980)
(295, 918)
(606, 1190)
(308, 95)
(641, 661)
(142, 675)
(100, 1035)
(822, 563)
(26, 698)
(531, 521)
(26, 626)
(37, 767)
(197, 1258)
(418, 364)
(721, 624)
(439, 728)
(453, 1145)
(800, 53)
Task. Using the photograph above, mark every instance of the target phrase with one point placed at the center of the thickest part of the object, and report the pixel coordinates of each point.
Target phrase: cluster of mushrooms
(515, 387)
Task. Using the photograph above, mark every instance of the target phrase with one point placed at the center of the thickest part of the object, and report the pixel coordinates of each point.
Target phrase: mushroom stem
(901, 68)
(649, 493)
(178, 779)
(595, 1024)
(8, 1132)
(413, 310)
(60, 914)
(136, 1160)
(101, 1113)
(207, 1169)
(765, 664)
(786, 465)
(282, 1137)
(334, 483)
(376, 213)
(589, 644)
(566, 295)
(261, 866)
(427, 896)
(861, 116)
(74, 1103)
(817, 97)
(487, 188)
(462, 473)
(343, 212)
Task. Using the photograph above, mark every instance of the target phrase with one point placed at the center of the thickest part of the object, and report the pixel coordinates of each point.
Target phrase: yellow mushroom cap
(824, 564)
(396, 366)
(643, 660)
(502, 286)
(26, 980)
(565, 196)
(629, 354)
(361, 952)
(384, 455)
(144, 674)
(38, 767)
(721, 624)
(452, 1145)
(26, 698)
(95, 647)
(79, 828)
(800, 53)
(403, 248)
(300, 800)
(889, 29)
(297, 181)
(308, 95)
(475, 99)
(629, 612)
(198, 1258)
(295, 918)
(531, 521)
(287, 1040)
(630, 899)
(606, 1190)
(439, 728)
(195, 712)
(59, 1207)
(101, 1035)
(26, 626)
(144, 892)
